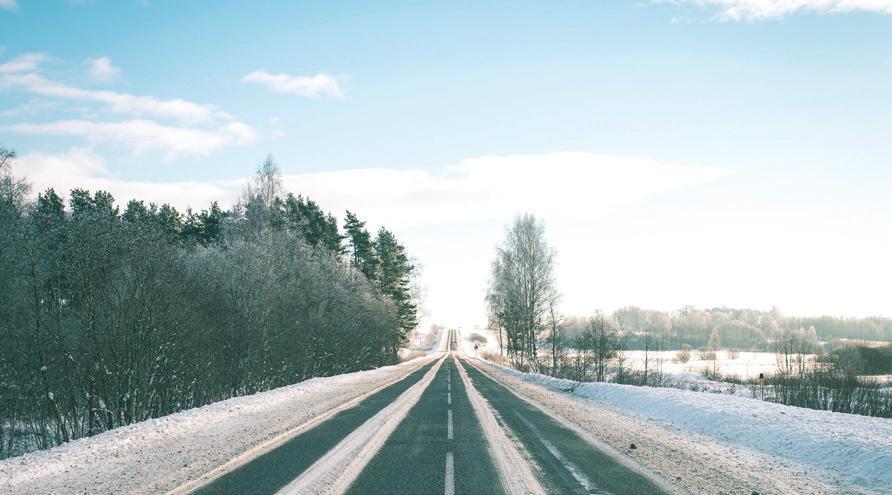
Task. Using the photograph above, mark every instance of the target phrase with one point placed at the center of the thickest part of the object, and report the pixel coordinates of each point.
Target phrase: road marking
(449, 425)
(515, 472)
(279, 440)
(337, 469)
(572, 468)
(450, 475)
(449, 398)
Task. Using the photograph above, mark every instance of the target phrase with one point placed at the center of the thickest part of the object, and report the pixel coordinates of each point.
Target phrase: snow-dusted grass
(161, 454)
(856, 451)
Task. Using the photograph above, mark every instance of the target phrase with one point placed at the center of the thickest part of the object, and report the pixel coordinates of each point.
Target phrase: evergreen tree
(306, 218)
(362, 251)
(170, 220)
(395, 277)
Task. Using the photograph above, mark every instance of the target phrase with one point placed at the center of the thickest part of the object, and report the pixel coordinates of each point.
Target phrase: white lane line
(572, 468)
(449, 387)
(280, 439)
(512, 461)
(449, 398)
(449, 425)
(340, 466)
(450, 475)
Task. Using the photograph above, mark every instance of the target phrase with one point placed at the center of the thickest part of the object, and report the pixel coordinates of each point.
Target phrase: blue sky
(766, 128)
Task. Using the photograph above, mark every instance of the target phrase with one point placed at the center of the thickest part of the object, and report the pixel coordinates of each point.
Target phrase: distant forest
(741, 329)
(110, 317)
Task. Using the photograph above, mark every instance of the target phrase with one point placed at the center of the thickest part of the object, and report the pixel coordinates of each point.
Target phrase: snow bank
(857, 448)
(161, 454)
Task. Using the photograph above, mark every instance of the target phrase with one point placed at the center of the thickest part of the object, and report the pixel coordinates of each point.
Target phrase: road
(446, 428)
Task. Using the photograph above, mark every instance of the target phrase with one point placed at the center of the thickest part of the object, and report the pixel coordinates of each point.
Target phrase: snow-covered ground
(712, 443)
(745, 365)
(424, 342)
(162, 454)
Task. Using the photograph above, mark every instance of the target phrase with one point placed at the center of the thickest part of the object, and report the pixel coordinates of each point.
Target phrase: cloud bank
(774, 9)
(552, 185)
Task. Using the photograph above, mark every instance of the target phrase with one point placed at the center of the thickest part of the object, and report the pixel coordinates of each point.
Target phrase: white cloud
(553, 185)
(101, 68)
(556, 186)
(179, 109)
(25, 62)
(85, 169)
(774, 9)
(198, 128)
(8, 5)
(142, 135)
(308, 86)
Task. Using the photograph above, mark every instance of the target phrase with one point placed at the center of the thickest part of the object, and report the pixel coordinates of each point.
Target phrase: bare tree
(604, 339)
(556, 339)
(521, 288)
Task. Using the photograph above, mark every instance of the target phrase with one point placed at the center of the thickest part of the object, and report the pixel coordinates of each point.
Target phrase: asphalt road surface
(437, 445)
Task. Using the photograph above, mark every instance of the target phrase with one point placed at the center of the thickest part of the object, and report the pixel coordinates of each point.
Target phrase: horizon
(705, 154)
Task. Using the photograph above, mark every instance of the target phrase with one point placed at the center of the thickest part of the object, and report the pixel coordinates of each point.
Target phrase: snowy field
(744, 366)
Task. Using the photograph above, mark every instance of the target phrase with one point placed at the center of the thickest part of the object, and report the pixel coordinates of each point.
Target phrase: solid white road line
(581, 478)
(449, 425)
(515, 472)
(450, 475)
(282, 438)
(337, 469)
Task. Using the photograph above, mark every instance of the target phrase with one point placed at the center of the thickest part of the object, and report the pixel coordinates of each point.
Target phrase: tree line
(111, 317)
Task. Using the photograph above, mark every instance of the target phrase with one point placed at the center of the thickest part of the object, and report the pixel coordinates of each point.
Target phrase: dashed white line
(449, 398)
(450, 475)
(449, 425)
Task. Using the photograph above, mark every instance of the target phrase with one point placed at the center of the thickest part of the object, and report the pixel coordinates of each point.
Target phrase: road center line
(449, 425)
(450, 475)
(449, 398)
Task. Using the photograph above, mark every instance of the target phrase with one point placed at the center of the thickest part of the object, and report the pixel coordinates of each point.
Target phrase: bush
(494, 357)
(476, 337)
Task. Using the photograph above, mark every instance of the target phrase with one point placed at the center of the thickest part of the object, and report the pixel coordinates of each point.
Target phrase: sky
(680, 152)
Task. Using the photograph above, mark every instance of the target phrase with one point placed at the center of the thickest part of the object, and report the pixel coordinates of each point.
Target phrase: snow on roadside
(160, 454)
(854, 450)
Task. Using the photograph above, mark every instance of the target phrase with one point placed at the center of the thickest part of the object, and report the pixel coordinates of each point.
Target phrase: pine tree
(395, 277)
(362, 251)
